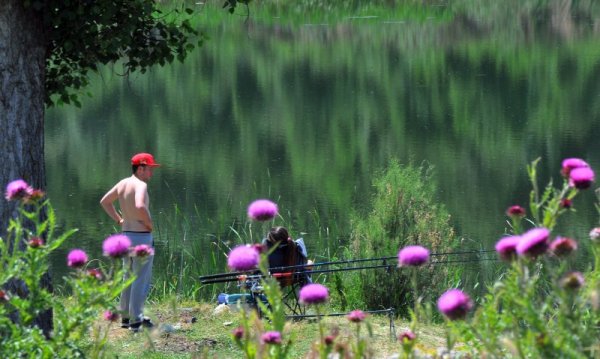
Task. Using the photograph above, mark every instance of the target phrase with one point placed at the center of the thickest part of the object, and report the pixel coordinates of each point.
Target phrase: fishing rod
(297, 266)
(319, 264)
(257, 276)
(347, 261)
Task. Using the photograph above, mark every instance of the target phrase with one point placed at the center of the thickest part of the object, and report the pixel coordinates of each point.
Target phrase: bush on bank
(404, 212)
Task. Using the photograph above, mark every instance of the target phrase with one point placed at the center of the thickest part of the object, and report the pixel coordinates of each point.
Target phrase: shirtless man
(136, 223)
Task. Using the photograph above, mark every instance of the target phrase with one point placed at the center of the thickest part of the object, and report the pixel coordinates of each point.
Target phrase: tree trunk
(22, 78)
(22, 71)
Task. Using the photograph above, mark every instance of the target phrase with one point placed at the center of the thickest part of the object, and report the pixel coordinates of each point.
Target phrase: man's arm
(141, 205)
(107, 202)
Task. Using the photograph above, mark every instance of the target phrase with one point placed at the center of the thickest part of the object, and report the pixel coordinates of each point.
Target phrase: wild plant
(540, 307)
(24, 260)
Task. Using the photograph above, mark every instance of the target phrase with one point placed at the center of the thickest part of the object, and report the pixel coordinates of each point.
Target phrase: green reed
(189, 245)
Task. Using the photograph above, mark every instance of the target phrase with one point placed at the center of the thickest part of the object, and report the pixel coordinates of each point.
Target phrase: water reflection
(305, 116)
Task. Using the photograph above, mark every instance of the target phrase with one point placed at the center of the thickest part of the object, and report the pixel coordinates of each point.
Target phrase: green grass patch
(191, 329)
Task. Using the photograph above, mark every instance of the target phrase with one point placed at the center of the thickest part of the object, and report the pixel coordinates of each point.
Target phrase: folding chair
(289, 267)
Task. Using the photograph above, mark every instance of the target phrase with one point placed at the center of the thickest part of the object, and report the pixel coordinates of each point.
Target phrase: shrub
(403, 213)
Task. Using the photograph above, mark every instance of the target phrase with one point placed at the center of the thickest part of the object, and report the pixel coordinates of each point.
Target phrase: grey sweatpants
(134, 296)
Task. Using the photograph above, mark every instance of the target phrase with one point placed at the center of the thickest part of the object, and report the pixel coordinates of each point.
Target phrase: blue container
(224, 298)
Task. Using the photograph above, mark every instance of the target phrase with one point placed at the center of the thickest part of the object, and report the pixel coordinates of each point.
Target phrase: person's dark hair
(135, 167)
(278, 234)
(286, 247)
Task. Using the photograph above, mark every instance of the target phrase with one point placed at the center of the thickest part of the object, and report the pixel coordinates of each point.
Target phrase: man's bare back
(132, 194)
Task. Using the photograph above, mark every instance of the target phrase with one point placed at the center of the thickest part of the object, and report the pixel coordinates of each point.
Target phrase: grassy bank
(192, 329)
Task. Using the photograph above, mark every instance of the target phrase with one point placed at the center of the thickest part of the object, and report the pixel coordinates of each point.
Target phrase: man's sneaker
(125, 323)
(146, 323)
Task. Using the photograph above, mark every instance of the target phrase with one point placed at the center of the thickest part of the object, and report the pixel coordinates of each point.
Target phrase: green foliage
(230, 5)
(346, 288)
(539, 308)
(80, 35)
(404, 212)
(24, 263)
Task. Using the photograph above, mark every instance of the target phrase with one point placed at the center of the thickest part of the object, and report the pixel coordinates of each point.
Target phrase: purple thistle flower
(413, 256)
(76, 258)
(111, 316)
(271, 337)
(563, 246)
(18, 189)
(356, 316)
(568, 164)
(454, 304)
(116, 246)
(572, 280)
(143, 250)
(507, 247)
(407, 336)
(314, 294)
(581, 178)
(533, 242)
(238, 333)
(262, 210)
(515, 211)
(243, 258)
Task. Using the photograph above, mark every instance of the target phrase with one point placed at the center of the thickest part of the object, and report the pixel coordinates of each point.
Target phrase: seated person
(287, 253)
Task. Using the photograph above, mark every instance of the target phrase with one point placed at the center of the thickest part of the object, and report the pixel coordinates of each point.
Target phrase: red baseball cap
(143, 159)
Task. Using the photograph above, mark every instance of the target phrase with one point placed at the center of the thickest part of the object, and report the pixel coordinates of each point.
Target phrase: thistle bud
(595, 234)
(238, 333)
(515, 211)
(35, 242)
(563, 246)
(566, 203)
(4, 297)
(406, 336)
(572, 281)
